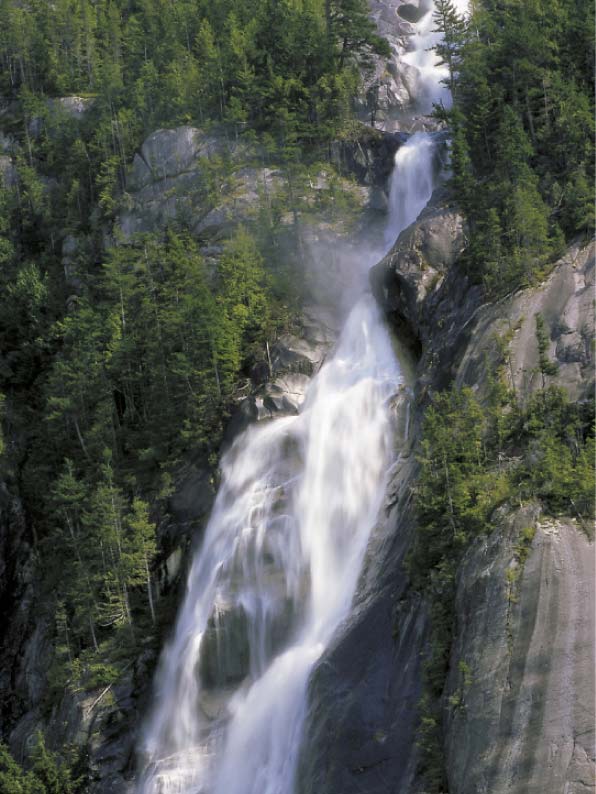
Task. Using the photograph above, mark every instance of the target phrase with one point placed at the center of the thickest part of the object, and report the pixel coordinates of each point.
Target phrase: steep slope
(516, 701)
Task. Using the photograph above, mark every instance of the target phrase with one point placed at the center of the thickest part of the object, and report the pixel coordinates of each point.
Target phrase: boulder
(416, 268)
(169, 153)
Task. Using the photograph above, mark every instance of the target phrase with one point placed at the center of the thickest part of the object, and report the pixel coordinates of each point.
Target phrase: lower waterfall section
(275, 577)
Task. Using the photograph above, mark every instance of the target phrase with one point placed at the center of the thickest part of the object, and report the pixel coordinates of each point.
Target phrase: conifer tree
(139, 549)
(451, 25)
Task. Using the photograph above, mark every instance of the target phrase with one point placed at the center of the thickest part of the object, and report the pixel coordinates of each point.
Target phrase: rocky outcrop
(410, 282)
(369, 156)
(360, 732)
(208, 183)
(364, 693)
(392, 87)
(518, 700)
(446, 317)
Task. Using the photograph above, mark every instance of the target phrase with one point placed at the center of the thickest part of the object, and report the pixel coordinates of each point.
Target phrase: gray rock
(523, 722)
(411, 12)
(518, 724)
(74, 106)
(565, 300)
(168, 153)
(416, 268)
(8, 172)
(193, 495)
(363, 695)
(282, 396)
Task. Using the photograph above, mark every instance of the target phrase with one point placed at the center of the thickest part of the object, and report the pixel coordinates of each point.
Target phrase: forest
(522, 79)
(104, 393)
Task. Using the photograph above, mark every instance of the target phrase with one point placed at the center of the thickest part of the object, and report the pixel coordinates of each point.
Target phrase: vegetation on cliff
(522, 78)
(475, 457)
(522, 81)
(103, 392)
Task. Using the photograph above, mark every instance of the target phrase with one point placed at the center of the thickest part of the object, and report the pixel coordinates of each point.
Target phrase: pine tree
(546, 367)
(55, 777)
(451, 25)
(139, 548)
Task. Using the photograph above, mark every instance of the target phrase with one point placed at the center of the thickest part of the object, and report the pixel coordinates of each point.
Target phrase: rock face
(203, 181)
(446, 318)
(370, 156)
(523, 721)
(411, 275)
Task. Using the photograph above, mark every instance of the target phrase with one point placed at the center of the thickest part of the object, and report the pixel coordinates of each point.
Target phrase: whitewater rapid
(279, 564)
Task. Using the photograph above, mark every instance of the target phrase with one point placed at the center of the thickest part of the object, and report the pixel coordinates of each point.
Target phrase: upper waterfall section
(399, 93)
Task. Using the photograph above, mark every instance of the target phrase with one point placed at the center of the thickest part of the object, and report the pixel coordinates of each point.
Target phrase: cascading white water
(432, 74)
(411, 183)
(275, 576)
(281, 557)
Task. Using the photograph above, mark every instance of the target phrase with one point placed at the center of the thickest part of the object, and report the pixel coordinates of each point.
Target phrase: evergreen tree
(139, 549)
(451, 25)
(545, 365)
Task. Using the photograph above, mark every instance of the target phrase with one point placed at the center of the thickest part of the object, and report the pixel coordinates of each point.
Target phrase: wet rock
(363, 695)
(232, 646)
(193, 495)
(369, 157)
(245, 414)
(515, 723)
(282, 396)
(280, 382)
(411, 12)
(225, 648)
(416, 268)
(293, 354)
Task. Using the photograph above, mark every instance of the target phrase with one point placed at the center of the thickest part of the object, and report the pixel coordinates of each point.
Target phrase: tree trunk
(149, 592)
(94, 638)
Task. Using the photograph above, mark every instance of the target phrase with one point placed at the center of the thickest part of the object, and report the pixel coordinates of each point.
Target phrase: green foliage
(472, 459)
(545, 365)
(522, 153)
(48, 774)
(276, 65)
(451, 25)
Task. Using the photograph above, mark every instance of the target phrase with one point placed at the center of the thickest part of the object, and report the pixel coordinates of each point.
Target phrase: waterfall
(432, 74)
(275, 576)
(279, 564)
(411, 184)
